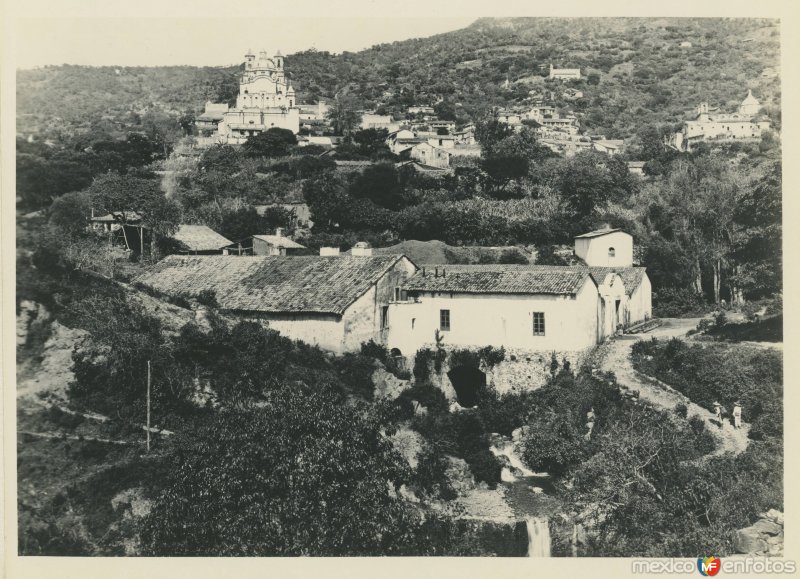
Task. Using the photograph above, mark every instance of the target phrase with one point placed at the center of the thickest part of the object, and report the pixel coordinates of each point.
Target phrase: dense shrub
(722, 373)
(430, 475)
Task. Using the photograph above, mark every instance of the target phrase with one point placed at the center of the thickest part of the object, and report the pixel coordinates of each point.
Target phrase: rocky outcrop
(764, 537)
(30, 313)
(387, 385)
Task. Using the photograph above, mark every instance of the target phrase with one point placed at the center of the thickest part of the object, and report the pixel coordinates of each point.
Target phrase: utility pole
(148, 406)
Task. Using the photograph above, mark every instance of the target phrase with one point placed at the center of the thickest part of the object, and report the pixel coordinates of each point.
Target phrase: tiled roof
(310, 284)
(490, 279)
(279, 241)
(631, 276)
(597, 233)
(200, 238)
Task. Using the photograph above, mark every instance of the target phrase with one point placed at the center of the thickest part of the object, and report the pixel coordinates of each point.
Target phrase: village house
(420, 110)
(373, 121)
(313, 112)
(636, 168)
(199, 240)
(610, 147)
(510, 306)
(465, 136)
(277, 244)
(207, 122)
(493, 302)
(430, 155)
(565, 73)
(335, 302)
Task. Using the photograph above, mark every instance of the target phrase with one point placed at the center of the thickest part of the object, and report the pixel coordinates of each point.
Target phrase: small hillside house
(334, 302)
(605, 248)
(199, 240)
(277, 244)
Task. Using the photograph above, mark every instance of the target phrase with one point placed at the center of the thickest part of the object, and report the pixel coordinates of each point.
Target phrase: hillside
(635, 72)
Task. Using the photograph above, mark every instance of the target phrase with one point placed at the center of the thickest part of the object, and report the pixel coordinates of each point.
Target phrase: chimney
(279, 231)
(361, 249)
(328, 251)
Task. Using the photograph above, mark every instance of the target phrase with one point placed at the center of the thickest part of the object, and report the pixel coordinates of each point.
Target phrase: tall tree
(127, 198)
(343, 114)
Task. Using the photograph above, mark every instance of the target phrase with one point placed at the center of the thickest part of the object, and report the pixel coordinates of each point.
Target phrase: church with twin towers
(266, 99)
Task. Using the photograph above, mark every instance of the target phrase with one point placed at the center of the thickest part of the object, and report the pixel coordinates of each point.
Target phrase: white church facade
(266, 100)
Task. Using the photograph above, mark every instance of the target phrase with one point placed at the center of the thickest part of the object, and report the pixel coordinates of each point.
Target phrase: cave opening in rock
(467, 382)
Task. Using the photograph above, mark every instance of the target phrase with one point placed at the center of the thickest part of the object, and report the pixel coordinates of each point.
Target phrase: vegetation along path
(615, 356)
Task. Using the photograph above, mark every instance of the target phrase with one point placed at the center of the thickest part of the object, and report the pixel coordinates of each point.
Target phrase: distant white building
(565, 73)
(711, 126)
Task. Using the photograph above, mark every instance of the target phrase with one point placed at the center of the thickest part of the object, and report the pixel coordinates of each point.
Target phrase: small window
(384, 317)
(612, 252)
(444, 320)
(538, 323)
(397, 294)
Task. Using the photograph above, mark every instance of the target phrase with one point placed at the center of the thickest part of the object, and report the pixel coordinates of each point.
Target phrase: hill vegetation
(635, 72)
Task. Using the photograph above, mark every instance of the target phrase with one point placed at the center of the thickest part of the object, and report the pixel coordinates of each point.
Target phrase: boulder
(774, 515)
(749, 541)
(767, 527)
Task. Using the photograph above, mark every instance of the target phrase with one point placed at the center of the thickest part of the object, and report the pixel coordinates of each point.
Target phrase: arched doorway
(467, 382)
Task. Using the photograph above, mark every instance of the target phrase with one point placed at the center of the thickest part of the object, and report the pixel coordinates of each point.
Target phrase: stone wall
(521, 370)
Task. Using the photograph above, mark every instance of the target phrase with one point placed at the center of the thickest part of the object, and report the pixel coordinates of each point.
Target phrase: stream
(528, 493)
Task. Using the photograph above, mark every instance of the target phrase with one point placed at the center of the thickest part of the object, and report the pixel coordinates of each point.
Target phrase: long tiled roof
(631, 276)
(200, 238)
(274, 284)
(502, 279)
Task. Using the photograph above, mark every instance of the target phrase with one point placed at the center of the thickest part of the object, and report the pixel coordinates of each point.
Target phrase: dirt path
(615, 356)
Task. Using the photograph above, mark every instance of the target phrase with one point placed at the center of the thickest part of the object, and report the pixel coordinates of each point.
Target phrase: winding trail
(615, 356)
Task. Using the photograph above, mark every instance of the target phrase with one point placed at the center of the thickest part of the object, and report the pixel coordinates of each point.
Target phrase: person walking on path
(718, 412)
(589, 423)
(737, 414)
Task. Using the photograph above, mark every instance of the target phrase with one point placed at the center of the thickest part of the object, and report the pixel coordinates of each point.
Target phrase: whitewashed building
(334, 302)
(605, 248)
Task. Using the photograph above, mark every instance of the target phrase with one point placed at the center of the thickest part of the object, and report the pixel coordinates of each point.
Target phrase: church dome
(750, 99)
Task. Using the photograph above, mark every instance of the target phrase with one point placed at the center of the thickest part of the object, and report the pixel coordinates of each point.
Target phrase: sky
(206, 41)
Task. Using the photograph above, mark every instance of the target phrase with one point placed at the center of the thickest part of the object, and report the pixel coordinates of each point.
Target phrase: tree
(70, 213)
(242, 223)
(274, 142)
(125, 197)
(302, 475)
(223, 158)
(379, 183)
(757, 237)
(343, 114)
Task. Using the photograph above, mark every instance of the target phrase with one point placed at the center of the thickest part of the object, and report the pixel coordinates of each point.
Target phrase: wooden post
(148, 406)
